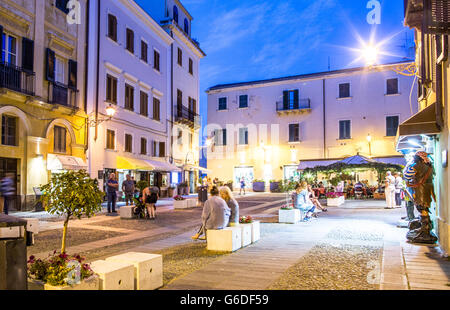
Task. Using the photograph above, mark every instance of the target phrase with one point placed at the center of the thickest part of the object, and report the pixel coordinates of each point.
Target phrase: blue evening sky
(249, 40)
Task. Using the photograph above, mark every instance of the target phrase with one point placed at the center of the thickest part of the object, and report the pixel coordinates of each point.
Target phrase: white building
(129, 70)
(262, 129)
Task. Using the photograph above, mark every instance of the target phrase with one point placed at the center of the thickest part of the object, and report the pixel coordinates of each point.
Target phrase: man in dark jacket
(8, 191)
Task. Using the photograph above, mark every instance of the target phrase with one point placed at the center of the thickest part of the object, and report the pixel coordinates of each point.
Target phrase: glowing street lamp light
(110, 111)
(370, 54)
(369, 139)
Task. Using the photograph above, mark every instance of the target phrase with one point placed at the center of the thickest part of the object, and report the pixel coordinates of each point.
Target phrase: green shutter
(50, 70)
(27, 54)
(1, 42)
(296, 99)
(285, 99)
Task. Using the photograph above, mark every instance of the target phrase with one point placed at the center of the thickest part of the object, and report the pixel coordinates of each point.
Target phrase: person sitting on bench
(302, 201)
(216, 214)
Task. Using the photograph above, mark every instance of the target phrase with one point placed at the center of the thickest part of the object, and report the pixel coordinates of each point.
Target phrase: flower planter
(335, 202)
(180, 204)
(274, 187)
(292, 216)
(170, 192)
(246, 230)
(259, 187)
(230, 186)
(89, 284)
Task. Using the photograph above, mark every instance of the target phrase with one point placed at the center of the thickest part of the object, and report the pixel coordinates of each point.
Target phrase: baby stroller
(139, 209)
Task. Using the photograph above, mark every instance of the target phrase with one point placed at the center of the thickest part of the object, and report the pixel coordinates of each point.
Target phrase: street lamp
(369, 140)
(110, 112)
(370, 54)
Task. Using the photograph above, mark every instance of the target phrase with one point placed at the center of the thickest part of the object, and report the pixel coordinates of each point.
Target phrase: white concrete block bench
(228, 239)
(32, 225)
(126, 212)
(148, 272)
(114, 275)
(192, 203)
(184, 204)
(292, 216)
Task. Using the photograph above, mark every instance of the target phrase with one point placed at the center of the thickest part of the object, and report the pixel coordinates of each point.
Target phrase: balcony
(186, 117)
(62, 94)
(304, 105)
(16, 79)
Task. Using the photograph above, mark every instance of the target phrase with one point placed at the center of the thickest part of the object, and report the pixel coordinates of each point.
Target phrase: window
(9, 49)
(191, 66)
(175, 14)
(392, 86)
(9, 130)
(129, 97)
(112, 27)
(294, 132)
(59, 139)
(220, 137)
(179, 100)
(344, 90)
(243, 101)
(156, 109)
(291, 99)
(344, 130)
(143, 146)
(391, 126)
(60, 66)
(222, 104)
(180, 137)
(110, 139)
(243, 136)
(192, 105)
(191, 140)
(159, 149)
(180, 57)
(62, 5)
(156, 60)
(130, 40)
(144, 103)
(128, 143)
(186, 26)
(144, 52)
(111, 89)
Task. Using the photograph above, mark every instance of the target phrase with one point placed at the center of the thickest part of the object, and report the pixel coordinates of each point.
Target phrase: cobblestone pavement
(355, 246)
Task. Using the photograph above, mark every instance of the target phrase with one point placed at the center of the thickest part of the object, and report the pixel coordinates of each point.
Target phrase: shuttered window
(180, 57)
(128, 143)
(222, 104)
(59, 139)
(156, 58)
(162, 149)
(27, 55)
(220, 137)
(291, 99)
(243, 101)
(144, 104)
(112, 27)
(294, 132)
(130, 40)
(110, 139)
(156, 109)
(111, 89)
(344, 90)
(129, 97)
(344, 129)
(191, 66)
(50, 65)
(9, 130)
(143, 146)
(391, 126)
(243, 136)
(73, 74)
(392, 86)
(144, 52)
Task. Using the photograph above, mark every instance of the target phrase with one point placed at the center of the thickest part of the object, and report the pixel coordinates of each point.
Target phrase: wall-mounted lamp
(110, 112)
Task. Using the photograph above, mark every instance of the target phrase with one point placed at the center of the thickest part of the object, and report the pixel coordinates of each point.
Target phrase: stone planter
(289, 216)
(170, 192)
(335, 202)
(246, 230)
(274, 187)
(180, 204)
(259, 187)
(90, 284)
(192, 203)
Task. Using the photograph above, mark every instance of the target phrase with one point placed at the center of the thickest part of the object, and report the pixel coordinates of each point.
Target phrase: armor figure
(419, 177)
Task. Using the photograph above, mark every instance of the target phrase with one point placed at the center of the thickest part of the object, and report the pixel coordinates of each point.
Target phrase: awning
(393, 160)
(127, 163)
(190, 167)
(308, 164)
(162, 166)
(421, 123)
(63, 162)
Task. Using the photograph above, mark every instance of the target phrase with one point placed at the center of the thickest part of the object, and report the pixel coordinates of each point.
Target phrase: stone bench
(250, 232)
(32, 225)
(292, 216)
(228, 239)
(185, 204)
(148, 274)
(126, 212)
(114, 275)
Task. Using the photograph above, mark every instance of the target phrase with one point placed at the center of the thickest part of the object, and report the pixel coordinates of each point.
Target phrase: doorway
(9, 165)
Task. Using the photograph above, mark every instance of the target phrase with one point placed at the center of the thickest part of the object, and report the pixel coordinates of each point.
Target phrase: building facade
(42, 93)
(262, 130)
(429, 129)
(129, 71)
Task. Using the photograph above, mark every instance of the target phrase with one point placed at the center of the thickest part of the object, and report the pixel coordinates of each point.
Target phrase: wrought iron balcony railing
(62, 94)
(186, 116)
(302, 104)
(16, 79)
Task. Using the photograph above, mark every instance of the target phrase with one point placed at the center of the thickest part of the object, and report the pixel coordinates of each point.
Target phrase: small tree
(71, 194)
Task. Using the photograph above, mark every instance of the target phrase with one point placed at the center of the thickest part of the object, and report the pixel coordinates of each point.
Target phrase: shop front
(246, 172)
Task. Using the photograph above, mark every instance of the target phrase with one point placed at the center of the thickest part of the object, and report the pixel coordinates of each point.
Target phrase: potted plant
(170, 191)
(70, 194)
(180, 202)
(229, 184)
(335, 199)
(289, 215)
(182, 188)
(259, 186)
(275, 186)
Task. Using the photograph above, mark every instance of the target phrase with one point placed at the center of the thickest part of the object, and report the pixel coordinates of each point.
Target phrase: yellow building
(429, 128)
(42, 92)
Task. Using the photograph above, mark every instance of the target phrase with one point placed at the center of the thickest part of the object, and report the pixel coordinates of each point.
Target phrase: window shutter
(1, 41)
(296, 99)
(50, 70)
(285, 99)
(27, 54)
(224, 133)
(73, 68)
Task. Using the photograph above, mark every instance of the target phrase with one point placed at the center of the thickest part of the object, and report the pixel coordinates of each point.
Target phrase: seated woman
(216, 214)
(314, 200)
(302, 202)
(227, 195)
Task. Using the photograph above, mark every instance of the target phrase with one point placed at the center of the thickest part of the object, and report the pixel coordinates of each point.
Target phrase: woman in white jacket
(389, 190)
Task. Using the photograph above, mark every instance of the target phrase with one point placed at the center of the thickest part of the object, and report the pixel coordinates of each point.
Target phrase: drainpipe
(324, 122)
(98, 69)
(86, 59)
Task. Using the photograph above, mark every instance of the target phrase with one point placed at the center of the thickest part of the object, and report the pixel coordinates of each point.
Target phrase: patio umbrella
(356, 160)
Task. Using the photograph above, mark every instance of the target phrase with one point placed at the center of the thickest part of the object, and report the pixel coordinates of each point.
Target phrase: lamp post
(369, 140)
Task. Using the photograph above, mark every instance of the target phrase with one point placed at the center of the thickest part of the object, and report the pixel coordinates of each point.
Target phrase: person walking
(216, 214)
(242, 183)
(8, 191)
(111, 190)
(150, 196)
(389, 190)
(398, 189)
(128, 190)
